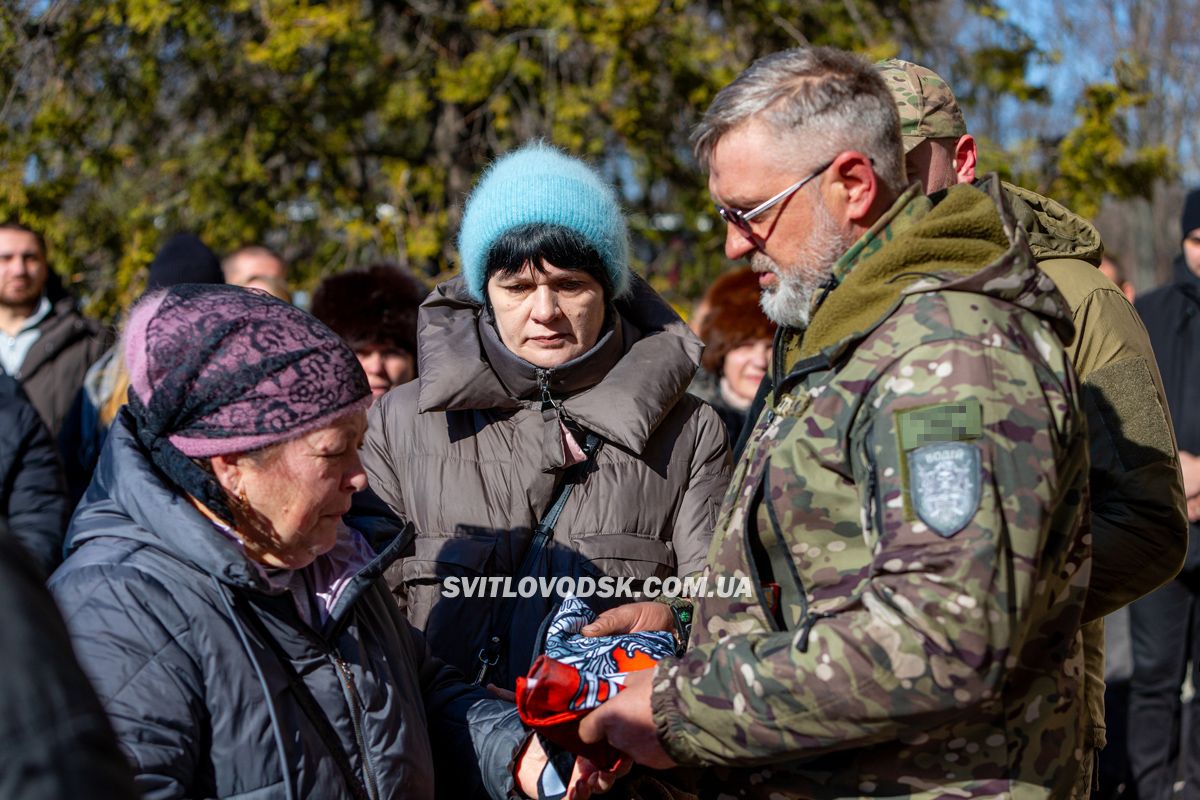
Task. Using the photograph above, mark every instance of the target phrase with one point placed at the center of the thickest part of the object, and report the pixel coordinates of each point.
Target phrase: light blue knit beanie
(541, 184)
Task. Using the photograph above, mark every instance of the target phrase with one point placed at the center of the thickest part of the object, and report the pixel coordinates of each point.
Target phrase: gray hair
(818, 99)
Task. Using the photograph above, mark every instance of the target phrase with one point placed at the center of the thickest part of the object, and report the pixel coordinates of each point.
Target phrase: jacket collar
(40, 313)
(963, 239)
(1053, 230)
(621, 389)
(523, 381)
(61, 326)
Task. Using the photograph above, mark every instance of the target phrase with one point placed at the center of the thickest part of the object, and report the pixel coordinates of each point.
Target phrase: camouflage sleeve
(707, 482)
(946, 606)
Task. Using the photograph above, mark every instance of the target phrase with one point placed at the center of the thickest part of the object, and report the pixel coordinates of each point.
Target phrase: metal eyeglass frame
(741, 220)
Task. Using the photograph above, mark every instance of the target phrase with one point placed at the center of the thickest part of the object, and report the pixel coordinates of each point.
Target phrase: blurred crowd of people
(927, 420)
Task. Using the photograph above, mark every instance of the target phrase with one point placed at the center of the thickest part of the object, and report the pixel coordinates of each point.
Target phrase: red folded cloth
(554, 697)
(578, 673)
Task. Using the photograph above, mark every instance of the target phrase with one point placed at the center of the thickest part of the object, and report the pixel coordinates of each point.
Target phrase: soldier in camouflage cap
(908, 504)
(927, 107)
(1138, 520)
(937, 148)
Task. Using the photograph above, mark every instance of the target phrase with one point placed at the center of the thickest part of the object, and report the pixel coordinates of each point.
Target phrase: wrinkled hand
(586, 778)
(627, 723)
(631, 618)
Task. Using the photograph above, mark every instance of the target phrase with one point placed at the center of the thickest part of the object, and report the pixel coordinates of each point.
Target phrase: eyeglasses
(742, 219)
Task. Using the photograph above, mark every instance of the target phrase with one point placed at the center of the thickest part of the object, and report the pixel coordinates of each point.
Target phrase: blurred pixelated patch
(959, 421)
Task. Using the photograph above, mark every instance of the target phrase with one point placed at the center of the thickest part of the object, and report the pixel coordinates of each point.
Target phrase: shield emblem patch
(944, 485)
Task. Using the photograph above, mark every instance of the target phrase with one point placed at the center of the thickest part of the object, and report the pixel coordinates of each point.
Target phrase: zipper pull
(543, 379)
(344, 669)
(869, 521)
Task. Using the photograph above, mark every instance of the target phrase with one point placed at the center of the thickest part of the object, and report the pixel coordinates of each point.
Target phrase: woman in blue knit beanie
(546, 363)
(539, 223)
(539, 187)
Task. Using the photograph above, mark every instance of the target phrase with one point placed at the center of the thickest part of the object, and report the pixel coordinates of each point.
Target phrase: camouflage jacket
(915, 491)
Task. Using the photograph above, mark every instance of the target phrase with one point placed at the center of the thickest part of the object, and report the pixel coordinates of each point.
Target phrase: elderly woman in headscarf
(551, 393)
(183, 258)
(236, 630)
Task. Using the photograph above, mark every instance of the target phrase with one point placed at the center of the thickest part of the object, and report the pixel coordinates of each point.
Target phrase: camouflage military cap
(927, 107)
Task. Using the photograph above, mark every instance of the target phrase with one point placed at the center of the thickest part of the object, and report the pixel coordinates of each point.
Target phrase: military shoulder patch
(945, 482)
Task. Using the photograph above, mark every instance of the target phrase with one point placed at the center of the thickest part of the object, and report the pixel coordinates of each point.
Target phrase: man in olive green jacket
(907, 509)
(1138, 519)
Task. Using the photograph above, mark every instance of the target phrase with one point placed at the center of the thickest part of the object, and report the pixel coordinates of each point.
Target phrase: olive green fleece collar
(959, 234)
(908, 208)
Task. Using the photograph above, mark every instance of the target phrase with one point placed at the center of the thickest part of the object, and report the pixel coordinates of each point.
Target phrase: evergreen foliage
(349, 131)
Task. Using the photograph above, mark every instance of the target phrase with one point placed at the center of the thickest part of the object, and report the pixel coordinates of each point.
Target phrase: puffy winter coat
(31, 485)
(167, 617)
(472, 456)
(55, 740)
(707, 386)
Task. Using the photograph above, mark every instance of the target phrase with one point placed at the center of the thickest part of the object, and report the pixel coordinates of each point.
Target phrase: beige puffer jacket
(469, 456)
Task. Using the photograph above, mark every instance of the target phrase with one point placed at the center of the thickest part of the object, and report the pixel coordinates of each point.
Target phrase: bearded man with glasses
(908, 504)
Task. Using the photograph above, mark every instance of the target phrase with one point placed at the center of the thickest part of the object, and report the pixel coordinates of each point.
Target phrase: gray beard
(790, 303)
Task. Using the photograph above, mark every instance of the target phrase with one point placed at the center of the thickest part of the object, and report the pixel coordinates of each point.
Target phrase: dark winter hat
(377, 305)
(540, 184)
(184, 259)
(215, 370)
(1190, 219)
(734, 317)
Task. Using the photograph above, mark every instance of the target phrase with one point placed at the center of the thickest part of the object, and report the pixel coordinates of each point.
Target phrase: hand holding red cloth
(549, 701)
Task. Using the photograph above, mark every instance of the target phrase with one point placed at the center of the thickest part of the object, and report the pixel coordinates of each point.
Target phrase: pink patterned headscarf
(216, 370)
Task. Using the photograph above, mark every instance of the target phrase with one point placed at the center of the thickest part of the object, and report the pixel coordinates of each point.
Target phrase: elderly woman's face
(297, 494)
(550, 317)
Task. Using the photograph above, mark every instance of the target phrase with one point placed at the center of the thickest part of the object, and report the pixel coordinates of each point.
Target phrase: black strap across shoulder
(308, 703)
(543, 533)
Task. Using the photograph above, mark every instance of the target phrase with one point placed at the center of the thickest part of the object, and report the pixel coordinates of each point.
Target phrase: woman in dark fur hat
(375, 312)
(737, 348)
